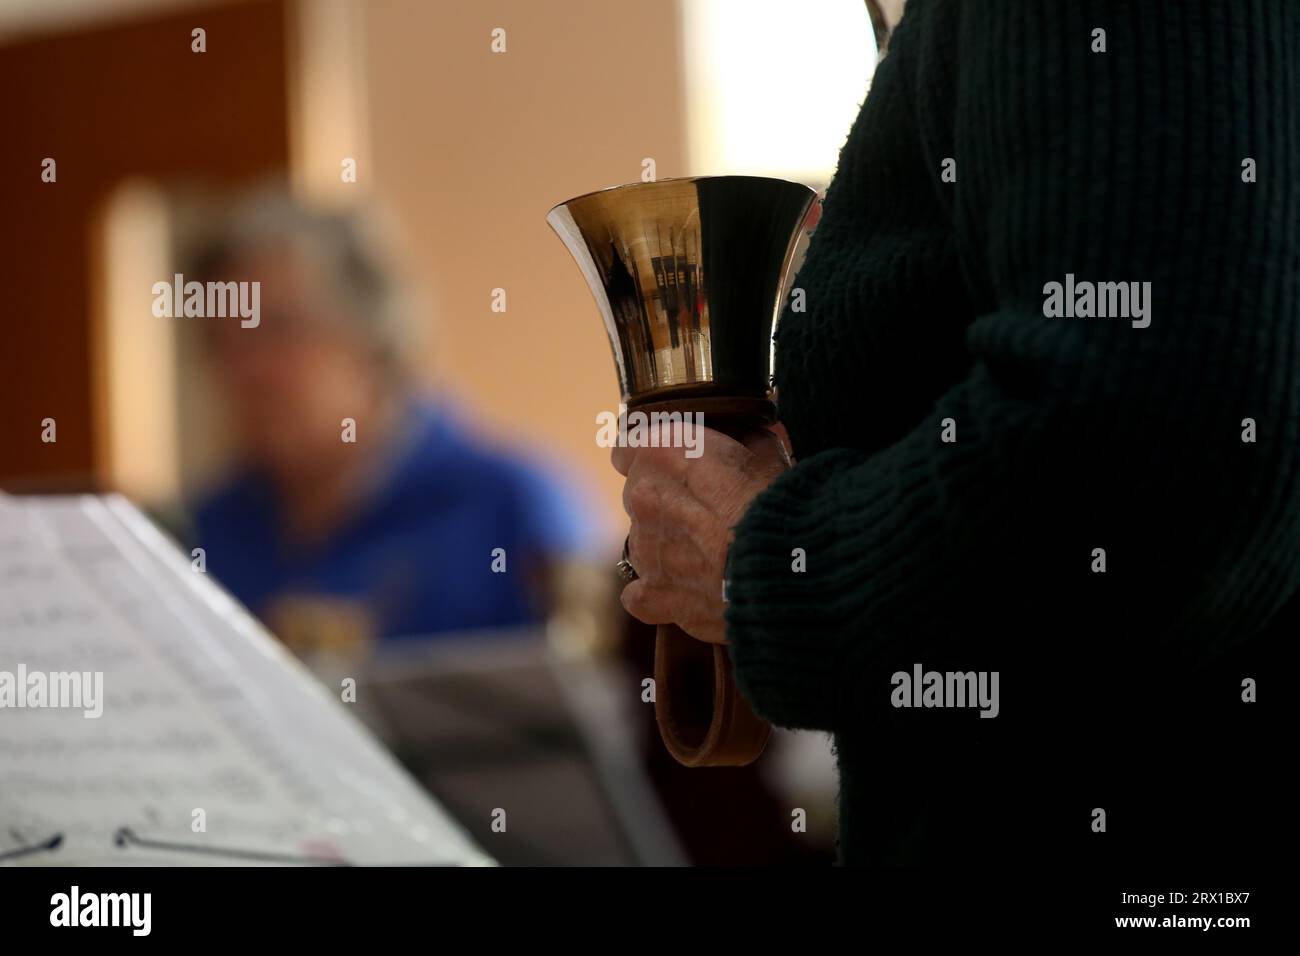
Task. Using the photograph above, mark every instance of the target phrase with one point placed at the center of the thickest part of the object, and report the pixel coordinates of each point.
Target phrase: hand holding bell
(689, 277)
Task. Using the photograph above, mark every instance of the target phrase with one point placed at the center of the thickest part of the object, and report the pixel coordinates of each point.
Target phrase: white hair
(348, 250)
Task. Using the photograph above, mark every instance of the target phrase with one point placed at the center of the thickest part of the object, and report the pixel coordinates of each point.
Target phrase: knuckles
(641, 500)
(639, 601)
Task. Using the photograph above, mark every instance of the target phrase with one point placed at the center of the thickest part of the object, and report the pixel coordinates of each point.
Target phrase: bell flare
(689, 276)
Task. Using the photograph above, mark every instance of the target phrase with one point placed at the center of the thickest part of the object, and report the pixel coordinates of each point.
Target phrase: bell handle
(703, 718)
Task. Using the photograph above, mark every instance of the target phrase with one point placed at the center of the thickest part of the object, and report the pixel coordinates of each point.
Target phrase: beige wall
(472, 148)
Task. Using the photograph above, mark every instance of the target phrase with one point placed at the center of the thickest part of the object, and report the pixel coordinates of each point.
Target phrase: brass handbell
(689, 276)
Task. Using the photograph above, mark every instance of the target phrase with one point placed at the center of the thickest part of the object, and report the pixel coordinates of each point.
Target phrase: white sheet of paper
(202, 710)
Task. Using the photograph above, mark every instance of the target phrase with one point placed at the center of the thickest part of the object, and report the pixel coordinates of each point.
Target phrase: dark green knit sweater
(1078, 440)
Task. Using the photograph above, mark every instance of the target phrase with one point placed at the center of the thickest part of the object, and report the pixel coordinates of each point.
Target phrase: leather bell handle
(703, 718)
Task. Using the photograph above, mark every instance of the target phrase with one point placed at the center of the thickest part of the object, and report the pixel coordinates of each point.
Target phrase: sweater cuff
(797, 580)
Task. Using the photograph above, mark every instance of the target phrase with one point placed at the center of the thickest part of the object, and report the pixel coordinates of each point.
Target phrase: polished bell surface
(689, 276)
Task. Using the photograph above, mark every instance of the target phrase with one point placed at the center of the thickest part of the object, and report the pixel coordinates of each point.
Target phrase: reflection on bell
(689, 276)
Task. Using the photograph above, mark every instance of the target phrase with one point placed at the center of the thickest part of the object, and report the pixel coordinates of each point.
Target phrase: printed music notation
(203, 717)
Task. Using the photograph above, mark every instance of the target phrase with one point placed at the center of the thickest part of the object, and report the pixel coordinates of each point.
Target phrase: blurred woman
(359, 507)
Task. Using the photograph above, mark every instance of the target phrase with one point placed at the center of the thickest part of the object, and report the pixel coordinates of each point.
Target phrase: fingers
(667, 450)
(621, 457)
(683, 510)
(715, 479)
(784, 437)
(678, 546)
(649, 604)
(769, 444)
(652, 605)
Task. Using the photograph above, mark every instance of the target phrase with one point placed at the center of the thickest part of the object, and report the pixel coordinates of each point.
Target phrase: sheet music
(202, 710)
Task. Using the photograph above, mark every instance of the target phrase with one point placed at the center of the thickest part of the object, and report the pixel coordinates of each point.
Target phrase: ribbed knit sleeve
(1076, 439)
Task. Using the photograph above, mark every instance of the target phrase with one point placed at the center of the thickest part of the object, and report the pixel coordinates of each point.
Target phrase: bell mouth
(671, 179)
(689, 276)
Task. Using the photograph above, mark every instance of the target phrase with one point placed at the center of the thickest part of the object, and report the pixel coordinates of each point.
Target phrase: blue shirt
(419, 553)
